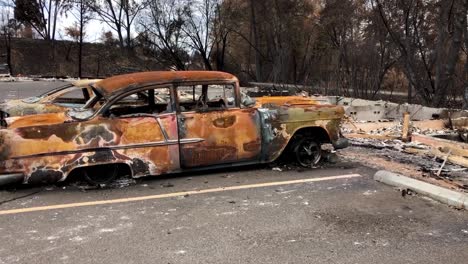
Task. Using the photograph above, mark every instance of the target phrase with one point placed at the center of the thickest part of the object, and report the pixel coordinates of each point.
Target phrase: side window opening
(72, 95)
(189, 97)
(206, 97)
(150, 101)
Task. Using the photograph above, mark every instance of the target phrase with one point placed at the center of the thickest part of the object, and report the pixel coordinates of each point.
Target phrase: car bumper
(11, 178)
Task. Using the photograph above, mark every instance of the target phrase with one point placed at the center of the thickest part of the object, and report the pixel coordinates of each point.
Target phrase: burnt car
(72, 95)
(153, 123)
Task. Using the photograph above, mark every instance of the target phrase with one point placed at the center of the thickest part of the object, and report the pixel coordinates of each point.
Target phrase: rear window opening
(206, 97)
(151, 101)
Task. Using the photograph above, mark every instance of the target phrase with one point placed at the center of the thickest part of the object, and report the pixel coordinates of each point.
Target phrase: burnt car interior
(157, 100)
(150, 101)
(205, 97)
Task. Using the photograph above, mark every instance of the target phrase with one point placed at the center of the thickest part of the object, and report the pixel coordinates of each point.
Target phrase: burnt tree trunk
(258, 63)
(447, 58)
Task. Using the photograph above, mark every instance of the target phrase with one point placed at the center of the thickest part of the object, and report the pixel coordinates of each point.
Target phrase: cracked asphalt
(354, 220)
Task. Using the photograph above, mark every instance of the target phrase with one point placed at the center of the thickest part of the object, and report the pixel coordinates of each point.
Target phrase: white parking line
(169, 195)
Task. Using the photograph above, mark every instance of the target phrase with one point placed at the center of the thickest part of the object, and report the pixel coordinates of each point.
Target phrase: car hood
(22, 108)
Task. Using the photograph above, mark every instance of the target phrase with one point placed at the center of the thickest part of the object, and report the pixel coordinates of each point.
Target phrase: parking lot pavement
(330, 220)
(18, 90)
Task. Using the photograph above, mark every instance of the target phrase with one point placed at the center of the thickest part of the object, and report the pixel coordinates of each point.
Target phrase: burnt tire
(307, 151)
(101, 174)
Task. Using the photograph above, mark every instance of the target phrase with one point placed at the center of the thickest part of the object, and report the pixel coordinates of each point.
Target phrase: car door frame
(254, 146)
(167, 127)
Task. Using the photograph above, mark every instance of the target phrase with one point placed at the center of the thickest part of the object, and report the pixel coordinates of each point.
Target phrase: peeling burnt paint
(139, 167)
(97, 133)
(47, 147)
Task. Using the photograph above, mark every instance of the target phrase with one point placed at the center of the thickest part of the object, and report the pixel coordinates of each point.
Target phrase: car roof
(84, 82)
(115, 84)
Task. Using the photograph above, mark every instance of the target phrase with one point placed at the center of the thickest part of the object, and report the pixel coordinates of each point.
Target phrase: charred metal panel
(60, 147)
(228, 136)
(280, 122)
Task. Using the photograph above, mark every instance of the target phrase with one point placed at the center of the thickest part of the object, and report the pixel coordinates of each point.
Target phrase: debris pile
(433, 149)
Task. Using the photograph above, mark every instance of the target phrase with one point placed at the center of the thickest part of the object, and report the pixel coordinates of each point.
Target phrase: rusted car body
(212, 125)
(71, 95)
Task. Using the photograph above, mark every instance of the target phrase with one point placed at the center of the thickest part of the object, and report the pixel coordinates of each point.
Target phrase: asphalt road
(352, 220)
(255, 219)
(17, 90)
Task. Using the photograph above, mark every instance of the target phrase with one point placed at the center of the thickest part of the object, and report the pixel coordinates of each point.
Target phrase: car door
(147, 130)
(213, 129)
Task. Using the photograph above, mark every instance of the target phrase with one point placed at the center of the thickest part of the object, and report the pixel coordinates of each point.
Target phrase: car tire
(308, 152)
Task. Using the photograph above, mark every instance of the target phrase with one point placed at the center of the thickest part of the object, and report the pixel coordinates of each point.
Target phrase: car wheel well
(319, 134)
(121, 169)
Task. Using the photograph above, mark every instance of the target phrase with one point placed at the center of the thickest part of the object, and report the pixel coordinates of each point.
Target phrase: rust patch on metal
(194, 156)
(224, 122)
(252, 146)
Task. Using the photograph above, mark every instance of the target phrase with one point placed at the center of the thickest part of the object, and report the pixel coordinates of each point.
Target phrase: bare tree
(429, 43)
(8, 27)
(162, 32)
(42, 15)
(225, 18)
(257, 56)
(465, 69)
(199, 28)
(120, 15)
(82, 14)
(452, 25)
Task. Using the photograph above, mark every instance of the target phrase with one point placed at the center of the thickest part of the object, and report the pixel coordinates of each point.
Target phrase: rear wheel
(308, 152)
(101, 174)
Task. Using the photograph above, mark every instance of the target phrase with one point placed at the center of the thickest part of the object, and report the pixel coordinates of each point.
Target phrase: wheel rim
(101, 174)
(308, 153)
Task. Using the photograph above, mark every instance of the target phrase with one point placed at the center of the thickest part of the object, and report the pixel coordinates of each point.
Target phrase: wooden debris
(405, 129)
(437, 142)
(434, 152)
(443, 163)
(350, 121)
(455, 151)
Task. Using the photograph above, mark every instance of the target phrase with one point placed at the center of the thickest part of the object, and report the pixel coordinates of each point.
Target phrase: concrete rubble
(422, 142)
(434, 147)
